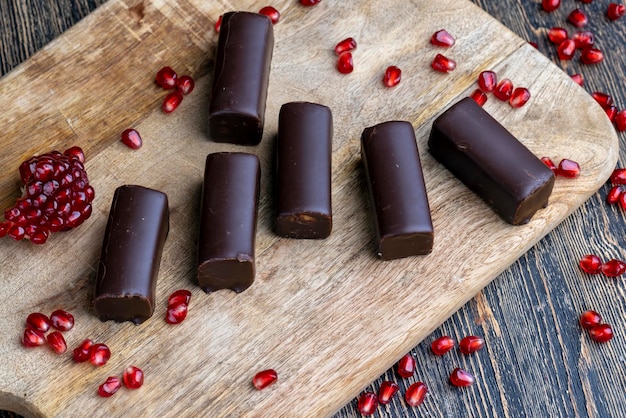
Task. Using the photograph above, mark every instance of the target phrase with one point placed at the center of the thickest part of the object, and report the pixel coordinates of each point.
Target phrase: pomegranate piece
(590, 264)
(309, 2)
(557, 35)
(519, 97)
(347, 45)
(83, 351)
(176, 313)
(613, 268)
(583, 39)
(392, 76)
(566, 50)
(471, 344)
(367, 403)
(614, 195)
(62, 320)
(590, 319)
(615, 11)
(270, 12)
(622, 201)
(591, 56)
(415, 394)
(487, 81)
(443, 64)
(99, 354)
(345, 64)
(178, 297)
(601, 333)
(33, 338)
(578, 79)
(185, 84)
(166, 78)
(568, 168)
(57, 342)
(131, 138)
(550, 5)
(611, 112)
(620, 120)
(504, 89)
(218, 24)
(442, 345)
(109, 387)
(460, 377)
(171, 102)
(479, 97)
(38, 321)
(442, 38)
(264, 378)
(406, 366)
(578, 18)
(550, 164)
(133, 377)
(386, 392)
(605, 100)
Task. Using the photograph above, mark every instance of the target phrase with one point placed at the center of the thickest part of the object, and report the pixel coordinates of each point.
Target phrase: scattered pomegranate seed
(590, 264)
(392, 76)
(460, 377)
(590, 319)
(131, 138)
(550, 164)
(171, 101)
(591, 56)
(568, 168)
(99, 354)
(566, 50)
(38, 321)
(583, 39)
(133, 377)
(601, 333)
(578, 79)
(471, 344)
(264, 378)
(415, 394)
(519, 97)
(83, 351)
(218, 24)
(176, 313)
(185, 84)
(272, 13)
(442, 345)
(479, 97)
(57, 342)
(614, 268)
(443, 64)
(557, 35)
(622, 201)
(620, 120)
(109, 387)
(611, 112)
(386, 392)
(442, 38)
(347, 45)
(344, 63)
(309, 2)
(33, 338)
(367, 403)
(603, 99)
(615, 11)
(550, 5)
(578, 18)
(166, 78)
(614, 195)
(62, 320)
(487, 81)
(503, 89)
(178, 297)
(406, 366)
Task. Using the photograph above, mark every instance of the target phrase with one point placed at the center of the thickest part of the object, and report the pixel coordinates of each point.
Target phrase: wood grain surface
(517, 318)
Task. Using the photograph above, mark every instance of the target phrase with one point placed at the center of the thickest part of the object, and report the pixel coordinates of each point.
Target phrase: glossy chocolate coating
(397, 191)
(131, 254)
(303, 170)
(240, 79)
(481, 153)
(228, 218)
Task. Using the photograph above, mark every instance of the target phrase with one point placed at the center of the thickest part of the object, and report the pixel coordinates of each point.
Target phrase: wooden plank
(299, 315)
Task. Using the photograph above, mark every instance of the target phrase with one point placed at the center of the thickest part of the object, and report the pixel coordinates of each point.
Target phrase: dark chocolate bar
(397, 191)
(228, 218)
(481, 153)
(303, 170)
(131, 254)
(240, 79)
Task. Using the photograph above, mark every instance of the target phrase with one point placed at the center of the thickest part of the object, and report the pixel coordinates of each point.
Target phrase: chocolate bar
(131, 254)
(397, 191)
(489, 160)
(241, 76)
(228, 218)
(303, 170)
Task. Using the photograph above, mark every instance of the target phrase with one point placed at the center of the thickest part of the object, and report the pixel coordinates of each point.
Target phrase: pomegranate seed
(442, 345)
(171, 101)
(622, 201)
(548, 162)
(176, 313)
(614, 195)
(578, 79)
(264, 378)
(611, 112)
(83, 351)
(99, 354)
(578, 18)
(443, 64)
(33, 338)
(57, 342)
(344, 63)
(166, 78)
(620, 120)
(601, 333)
(566, 50)
(185, 84)
(367, 403)
(75, 153)
(38, 321)
(615, 11)
(460, 377)
(603, 99)
(62, 320)
(109, 387)
(614, 268)
(386, 392)
(178, 297)
(587, 1)
(392, 76)
(442, 38)
(568, 168)
(590, 319)
(519, 97)
(479, 97)
(131, 138)
(415, 394)
(590, 264)
(487, 81)
(272, 13)
(504, 90)
(347, 45)
(218, 24)
(557, 35)
(133, 377)
(533, 44)
(471, 344)
(550, 5)
(406, 366)
(4, 228)
(309, 2)
(591, 56)
(583, 39)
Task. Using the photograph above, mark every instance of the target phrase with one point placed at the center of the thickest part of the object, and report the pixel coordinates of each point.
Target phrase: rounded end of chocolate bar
(227, 273)
(132, 308)
(304, 226)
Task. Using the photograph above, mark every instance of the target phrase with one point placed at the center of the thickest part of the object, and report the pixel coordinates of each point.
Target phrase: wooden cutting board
(327, 315)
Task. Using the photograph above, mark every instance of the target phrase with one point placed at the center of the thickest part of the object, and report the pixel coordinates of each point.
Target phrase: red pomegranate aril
(99, 354)
(591, 56)
(345, 65)
(109, 387)
(578, 18)
(566, 50)
(550, 5)
(185, 84)
(583, 39)
(568, 168)
(550, 164)
(442, 345)
(83, 351)
(131, 138)
(519, 97)
(615, 11)
(442, 38)
(387, 391)
(460, 377)
(415, 394)
(587, 1)
(176, 313)
(133, 377)
(75, 153)
(601, 333)
(590, 264)
(4, 228)
(557, 35)
(406, 366)
(270, 12)
(218, 24)
(166, 78)
(611, 112)
(171, 101)
(367, 403)
(57, 342)
(471, 344)
(309, 2)
(347, 45)
(33, 338)
(605, 100)
(264, 378)
(392, 76)
(62, 320)
(614, 195)
(487, 81)
(16, 232)
(38, 321)
(620, 120)
(533, 44)
(504, 90)
(613, 268)
(443, 64)
(479, 97)
(590, 319)
(178, 297)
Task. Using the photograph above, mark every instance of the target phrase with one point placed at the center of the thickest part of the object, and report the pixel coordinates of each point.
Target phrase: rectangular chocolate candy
(303, 170)
(481, 153)
(240, 79)
(397, 191)
(131, 254)
(228, 218)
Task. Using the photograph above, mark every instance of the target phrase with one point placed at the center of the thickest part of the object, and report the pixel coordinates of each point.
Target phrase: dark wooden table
(537, 361)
